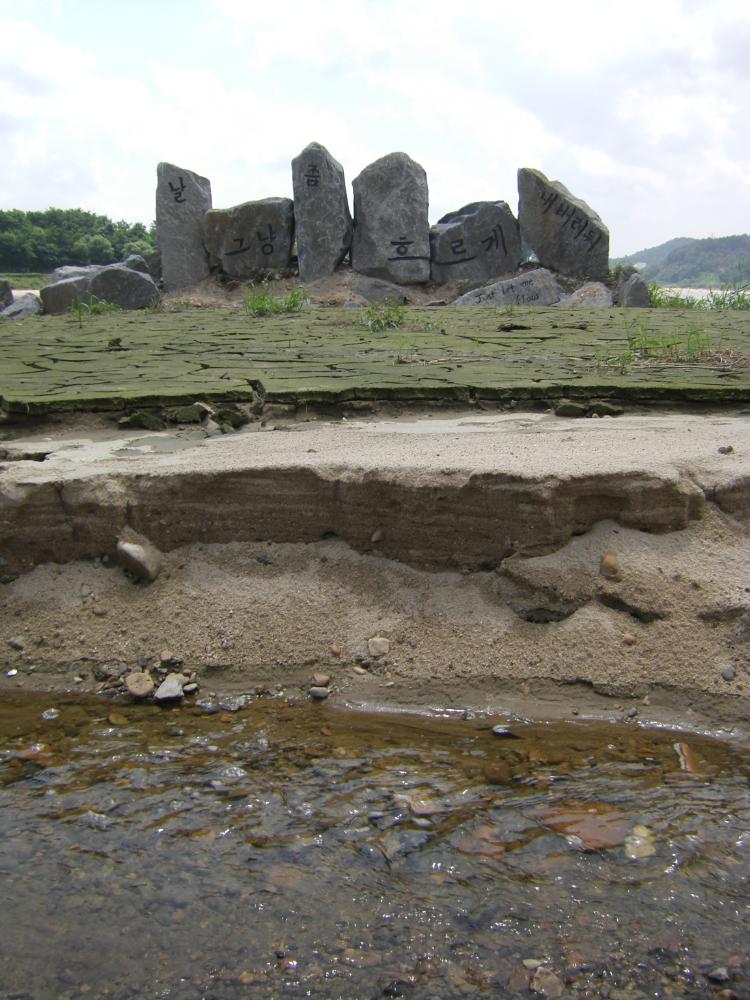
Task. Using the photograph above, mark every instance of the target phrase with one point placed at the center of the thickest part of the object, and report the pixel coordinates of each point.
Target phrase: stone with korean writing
(252, 239)
(566, 235)
(478, 242)
(537, 287)
(391, 232)
(182, 199)
(323, 222)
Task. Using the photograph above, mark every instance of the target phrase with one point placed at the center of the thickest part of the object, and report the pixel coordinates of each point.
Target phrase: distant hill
(689, 262)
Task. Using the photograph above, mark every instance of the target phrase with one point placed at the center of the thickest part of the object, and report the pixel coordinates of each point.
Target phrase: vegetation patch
(260, 302)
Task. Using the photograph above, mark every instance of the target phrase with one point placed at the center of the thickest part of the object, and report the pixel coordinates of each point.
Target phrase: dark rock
(125, 288)
(728, 673)
(319, 693)
(529, 288)
(252, 239)
(391, 230)
(600, 408)
(138, 555)
(153, 260)
(190, 413)
(136, 263)
(633, 292)
(6, 294)
(566, 235)
(375, 290)
(321, 212)
(567, 408)
(182, 200)
(478, 242)
(58, 297)
(144, 419)
(26, 305)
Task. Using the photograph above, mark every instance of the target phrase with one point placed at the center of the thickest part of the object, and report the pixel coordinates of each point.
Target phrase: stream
(295, 850)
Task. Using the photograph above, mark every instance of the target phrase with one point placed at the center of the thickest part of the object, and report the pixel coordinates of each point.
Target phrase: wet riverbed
(293, 851)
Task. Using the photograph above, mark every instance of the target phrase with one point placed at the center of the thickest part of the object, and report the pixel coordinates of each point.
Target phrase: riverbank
(471, 543)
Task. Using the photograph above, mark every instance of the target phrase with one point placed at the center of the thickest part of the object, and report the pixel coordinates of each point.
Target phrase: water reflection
(289, 851)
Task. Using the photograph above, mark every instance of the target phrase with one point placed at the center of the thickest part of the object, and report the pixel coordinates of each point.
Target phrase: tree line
(711, 262)
(39, 241)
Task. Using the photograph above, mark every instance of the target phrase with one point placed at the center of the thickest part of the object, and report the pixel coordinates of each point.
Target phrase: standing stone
(479, 242)
(251, 239)
(391, 232)
(6, 294)
(633, 292)
(182, 199)
(321, 212)
(530, 288)
(566, 235)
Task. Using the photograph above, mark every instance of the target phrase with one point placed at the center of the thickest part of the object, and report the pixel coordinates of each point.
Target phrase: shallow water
(293, 850)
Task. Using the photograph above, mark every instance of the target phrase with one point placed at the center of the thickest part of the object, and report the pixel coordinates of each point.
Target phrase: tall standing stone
(478, 242)
(391, 232)
(251, 239)
(322, 218)
(182, 200)
(566, 235)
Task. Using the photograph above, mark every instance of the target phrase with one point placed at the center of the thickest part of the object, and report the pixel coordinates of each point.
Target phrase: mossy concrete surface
(112, 361)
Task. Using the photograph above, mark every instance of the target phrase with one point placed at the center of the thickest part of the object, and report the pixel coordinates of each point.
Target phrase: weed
(260, 302)
(385, 316)
(728, 297)
(94, 307)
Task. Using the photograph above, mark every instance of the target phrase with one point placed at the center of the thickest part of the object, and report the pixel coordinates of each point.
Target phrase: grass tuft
(260, 302)
(384, 316)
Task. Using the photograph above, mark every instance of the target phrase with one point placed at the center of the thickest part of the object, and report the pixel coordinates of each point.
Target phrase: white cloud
(640, 110)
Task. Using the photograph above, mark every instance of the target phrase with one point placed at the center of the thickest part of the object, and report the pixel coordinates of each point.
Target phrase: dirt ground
(660, 635)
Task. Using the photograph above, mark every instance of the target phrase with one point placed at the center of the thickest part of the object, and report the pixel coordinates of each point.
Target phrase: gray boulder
(566, 235)
(529, 288)
(6, 294)
(251, 239)
(68, 271)
(479, 242)
(391, 231)
(632, 292)
(26, 305)
(592, 295)
(61, 295)
(321, 212)
(136, 263)
(125, 288)
(182, 199)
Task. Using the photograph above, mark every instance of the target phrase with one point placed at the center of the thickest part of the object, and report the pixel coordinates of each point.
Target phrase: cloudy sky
(641, 108)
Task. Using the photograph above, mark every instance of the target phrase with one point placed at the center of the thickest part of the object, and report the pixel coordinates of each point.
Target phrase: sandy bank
(473, 544)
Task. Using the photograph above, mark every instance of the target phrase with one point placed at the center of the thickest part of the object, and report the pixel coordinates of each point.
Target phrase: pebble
(379, 646)
(321, 680)
(190, 688)
(497, 773)
(632, 712)
(504, 731)
(629, 639)
(376, 536)
(117, 719)
(50, 713)
(170, 688)
(334, 650)
(319, 693)
(17, 643)
(610, 566)
(359, 670)
(11, 673)
(719, 975)
(726, 449)
(137, 555)
(139, 684)
(728, 673)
